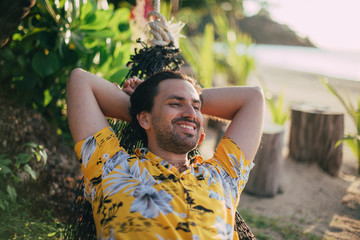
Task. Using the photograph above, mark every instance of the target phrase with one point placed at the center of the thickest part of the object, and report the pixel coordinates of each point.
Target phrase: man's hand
(131, 84)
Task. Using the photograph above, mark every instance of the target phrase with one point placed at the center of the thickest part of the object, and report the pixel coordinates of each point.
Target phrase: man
(158, 193)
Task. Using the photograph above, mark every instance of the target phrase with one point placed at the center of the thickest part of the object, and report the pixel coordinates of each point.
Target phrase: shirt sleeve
(234, 169)
(93, 153)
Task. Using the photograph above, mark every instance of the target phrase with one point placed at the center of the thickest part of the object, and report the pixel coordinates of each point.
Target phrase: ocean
(330, 63)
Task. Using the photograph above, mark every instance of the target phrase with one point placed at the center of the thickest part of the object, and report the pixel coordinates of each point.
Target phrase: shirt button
(192, 223)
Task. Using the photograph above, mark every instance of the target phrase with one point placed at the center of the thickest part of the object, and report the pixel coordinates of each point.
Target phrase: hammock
(161, 55)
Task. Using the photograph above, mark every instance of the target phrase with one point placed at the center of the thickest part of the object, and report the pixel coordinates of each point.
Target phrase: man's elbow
(75, 79)
(75, 75)
(258, 95)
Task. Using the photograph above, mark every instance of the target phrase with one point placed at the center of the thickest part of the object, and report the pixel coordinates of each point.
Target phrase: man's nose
(189, 112)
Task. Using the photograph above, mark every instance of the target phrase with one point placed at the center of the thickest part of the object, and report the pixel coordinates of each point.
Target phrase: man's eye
(196, 107)
(174, 104)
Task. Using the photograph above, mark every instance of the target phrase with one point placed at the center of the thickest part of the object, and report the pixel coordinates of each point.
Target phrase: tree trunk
(313, 135)
(266, 177)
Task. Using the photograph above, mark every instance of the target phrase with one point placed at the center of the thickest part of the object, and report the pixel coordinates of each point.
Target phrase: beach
(312, 199)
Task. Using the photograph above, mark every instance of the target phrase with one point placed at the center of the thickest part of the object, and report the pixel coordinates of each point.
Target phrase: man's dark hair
(143, 97)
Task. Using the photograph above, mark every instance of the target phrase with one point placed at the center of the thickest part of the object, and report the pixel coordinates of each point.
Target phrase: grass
(263, 226)
(20, 222)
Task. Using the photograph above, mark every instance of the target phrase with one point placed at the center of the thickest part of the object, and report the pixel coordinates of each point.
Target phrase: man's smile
(187, 125)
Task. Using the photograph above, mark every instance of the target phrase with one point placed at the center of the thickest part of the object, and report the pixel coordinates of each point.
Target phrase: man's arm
(89, 99)
(244, 106)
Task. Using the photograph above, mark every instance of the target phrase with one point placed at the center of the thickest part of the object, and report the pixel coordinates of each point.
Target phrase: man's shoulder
(104, 141)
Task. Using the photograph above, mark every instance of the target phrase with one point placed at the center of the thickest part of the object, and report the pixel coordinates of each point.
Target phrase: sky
(329, 24)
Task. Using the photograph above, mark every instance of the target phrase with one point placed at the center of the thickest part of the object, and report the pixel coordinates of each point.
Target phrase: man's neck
(180, 161)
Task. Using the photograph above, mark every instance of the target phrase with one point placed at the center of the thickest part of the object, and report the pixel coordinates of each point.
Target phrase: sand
(313, 200)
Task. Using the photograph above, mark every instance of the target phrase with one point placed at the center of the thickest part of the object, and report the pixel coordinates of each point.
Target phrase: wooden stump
(266, 177)
(313, 135)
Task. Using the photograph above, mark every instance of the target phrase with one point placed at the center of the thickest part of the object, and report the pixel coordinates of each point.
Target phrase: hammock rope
(159, 27)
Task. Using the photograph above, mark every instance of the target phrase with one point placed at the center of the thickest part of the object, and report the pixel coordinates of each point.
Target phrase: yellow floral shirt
(144, 197)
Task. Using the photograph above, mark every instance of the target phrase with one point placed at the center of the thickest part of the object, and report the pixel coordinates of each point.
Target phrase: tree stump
(313, 135)
(265, 178)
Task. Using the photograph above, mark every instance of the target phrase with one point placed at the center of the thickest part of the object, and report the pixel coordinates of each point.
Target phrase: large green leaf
(120, 24)
(43, 155)
(207, 61)
(4, 163)
(3, 203)
(45, 65)
(11, 192)
(121, 54)
(353, 142)
(97, 21)
(29, 170)
(105, 33)
(47, 97)
(121, 15)
(27, 83)
(86, 10)
(119, 75)
(22, 158)
(190, 53)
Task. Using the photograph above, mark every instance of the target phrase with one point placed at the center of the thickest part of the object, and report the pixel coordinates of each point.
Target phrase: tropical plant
(228, 55)
(351, 140)
(202, 60)
(56, 37)
(10, 170)
(279, 112)
(237, 62)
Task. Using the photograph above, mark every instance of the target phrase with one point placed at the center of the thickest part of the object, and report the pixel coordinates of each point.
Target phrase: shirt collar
(145, 153)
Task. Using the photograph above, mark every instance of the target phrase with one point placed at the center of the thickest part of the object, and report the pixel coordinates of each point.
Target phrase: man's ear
(144, 119)
(202, 137)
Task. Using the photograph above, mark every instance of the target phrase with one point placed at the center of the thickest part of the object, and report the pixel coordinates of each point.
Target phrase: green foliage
(202, 61)
(279, 113)
(18, 222)
(351, 140)
(55, 38)
(259, 223)
(228, 55)
(237, 63)
(11, 168)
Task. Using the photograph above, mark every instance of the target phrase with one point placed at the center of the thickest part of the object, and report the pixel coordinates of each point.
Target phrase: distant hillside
(264, 30)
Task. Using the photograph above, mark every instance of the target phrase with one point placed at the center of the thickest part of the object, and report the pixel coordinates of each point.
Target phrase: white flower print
(113, 162)
(225, 230)
(215, 195)
(150, 203)
(127, 177)
(139, 184)
(87, 150)
(230, 188)
(160, 237)
(106, 156)
(211, 172)
(111, 237)
(195, 237)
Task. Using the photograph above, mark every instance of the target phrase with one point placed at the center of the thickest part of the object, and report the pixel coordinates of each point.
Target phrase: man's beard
(169, 139)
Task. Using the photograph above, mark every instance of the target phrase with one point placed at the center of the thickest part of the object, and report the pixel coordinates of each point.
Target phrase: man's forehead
(177, 87)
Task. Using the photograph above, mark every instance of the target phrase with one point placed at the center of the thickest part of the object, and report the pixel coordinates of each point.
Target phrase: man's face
(176, 120)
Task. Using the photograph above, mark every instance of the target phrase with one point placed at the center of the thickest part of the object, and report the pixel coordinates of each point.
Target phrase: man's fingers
(126, 83)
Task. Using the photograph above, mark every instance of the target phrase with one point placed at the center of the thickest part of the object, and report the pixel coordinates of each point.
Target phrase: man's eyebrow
(177, 97)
